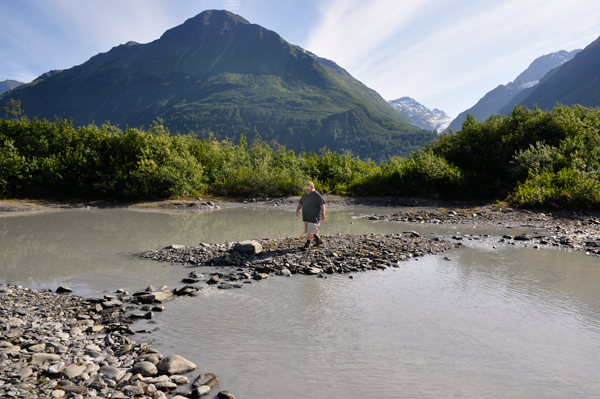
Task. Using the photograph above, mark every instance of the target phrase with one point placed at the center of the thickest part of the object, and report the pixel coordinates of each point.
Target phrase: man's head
(310, 187)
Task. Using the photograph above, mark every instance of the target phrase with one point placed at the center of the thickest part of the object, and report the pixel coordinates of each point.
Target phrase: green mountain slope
(219, 74)
(575, 82)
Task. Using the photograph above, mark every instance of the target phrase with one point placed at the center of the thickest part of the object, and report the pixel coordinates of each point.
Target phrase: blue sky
(445, 54)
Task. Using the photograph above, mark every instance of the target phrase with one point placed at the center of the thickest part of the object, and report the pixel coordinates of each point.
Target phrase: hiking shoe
(318, 242)
(306, 246)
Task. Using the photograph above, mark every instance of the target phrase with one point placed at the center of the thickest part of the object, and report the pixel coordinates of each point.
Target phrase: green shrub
(566, 188)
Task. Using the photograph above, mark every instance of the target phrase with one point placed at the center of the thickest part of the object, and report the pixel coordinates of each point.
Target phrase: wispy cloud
(232, 5)
(449, 52)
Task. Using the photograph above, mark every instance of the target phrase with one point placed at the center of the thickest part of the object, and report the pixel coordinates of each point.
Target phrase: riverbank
(561, 229)
(196, 204)
(56, 345)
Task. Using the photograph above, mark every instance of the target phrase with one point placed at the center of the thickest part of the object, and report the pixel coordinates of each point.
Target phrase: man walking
(313, 211)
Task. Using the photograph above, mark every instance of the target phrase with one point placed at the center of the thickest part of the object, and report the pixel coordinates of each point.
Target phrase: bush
(566, 188)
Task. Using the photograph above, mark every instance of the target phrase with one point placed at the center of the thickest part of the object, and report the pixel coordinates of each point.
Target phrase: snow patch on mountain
(422, 116)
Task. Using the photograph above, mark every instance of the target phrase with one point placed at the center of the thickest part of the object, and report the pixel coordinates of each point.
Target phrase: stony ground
(563, 229)
(57, 345)
(286, 256)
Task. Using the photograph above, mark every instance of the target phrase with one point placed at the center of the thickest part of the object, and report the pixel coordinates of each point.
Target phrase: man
(313, 211)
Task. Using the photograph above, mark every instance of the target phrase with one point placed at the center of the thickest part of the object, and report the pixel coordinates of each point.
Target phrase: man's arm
(323, 212)
(298, 210)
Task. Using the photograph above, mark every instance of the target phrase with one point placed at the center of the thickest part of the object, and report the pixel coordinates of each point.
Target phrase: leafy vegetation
(530, 158)
(240, 79)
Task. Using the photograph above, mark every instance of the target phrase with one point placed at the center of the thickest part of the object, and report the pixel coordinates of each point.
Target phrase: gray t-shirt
(311, 206)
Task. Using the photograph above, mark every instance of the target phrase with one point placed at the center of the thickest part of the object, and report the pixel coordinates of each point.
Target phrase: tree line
(528, 158)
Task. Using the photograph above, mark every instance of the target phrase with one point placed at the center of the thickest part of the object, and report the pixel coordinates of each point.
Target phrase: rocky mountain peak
(420, 115)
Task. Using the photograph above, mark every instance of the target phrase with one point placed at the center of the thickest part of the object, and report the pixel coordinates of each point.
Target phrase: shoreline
(56, 345)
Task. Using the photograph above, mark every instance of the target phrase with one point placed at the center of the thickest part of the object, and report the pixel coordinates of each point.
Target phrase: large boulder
(248, 247)
(159, 296)
(175, 364)
(145, 368)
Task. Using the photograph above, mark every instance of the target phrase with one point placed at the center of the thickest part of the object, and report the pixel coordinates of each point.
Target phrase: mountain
(502, 95)
(420, 115)
(217, 73)
(8, 84)
(575, 82)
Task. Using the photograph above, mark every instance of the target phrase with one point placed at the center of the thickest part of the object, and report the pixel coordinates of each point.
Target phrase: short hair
(310, 184)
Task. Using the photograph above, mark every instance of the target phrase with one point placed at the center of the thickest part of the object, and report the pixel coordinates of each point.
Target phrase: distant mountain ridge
(495, 100)
(575, 82)
(8, 84)
(420, 115)
(217, 73)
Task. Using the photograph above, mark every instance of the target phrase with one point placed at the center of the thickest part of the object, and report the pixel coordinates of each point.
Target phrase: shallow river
(487, 323)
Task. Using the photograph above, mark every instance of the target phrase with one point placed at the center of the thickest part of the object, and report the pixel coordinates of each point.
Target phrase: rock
(248, 247)
(175, 364)
(76, 389)
(180, 379)
(58, 393)
(72, 371)
(39, 358)
(153, 358)
(208, 379)
(37, 347)
(200, 391)
(166, 386)
(146, 369)
(214, 280)
(160, 297)
(133, 390)
(260, 276)
(56, 369)
(112, 304)
(63, 290)
(225, 395)
(25, 372)
(522, 237)
(111, 372)
(312, 270)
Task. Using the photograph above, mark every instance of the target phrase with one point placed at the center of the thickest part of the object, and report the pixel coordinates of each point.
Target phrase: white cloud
(448, 54)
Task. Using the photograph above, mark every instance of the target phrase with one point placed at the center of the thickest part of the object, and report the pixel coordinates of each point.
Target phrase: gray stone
(76, 389)
(175, 364)
(112, 304)
(73, 370)
(55, 369)
(166, 385)
(208, 379)
(248, 247)
(180, 379)
(111, 372)
(200, 391)
(153, 358)
(160, 297)
(225, 395)
(63, 289)
(25, 372)
(132, 390)
(146, 369)
(313, 270)
(39, 358)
